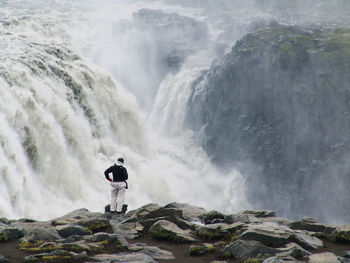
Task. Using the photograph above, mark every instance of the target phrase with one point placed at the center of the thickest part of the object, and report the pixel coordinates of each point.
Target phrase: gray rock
(127, 257)
(70, 230)
(212, 217)
(41, 234)
(8, 233)
(270, 234)
(197, 250)
(259, 213)
(341, 233)
(281, 260)
(311, 225)
(293, 250)
(346, 254)
(230, 219)
(243, 249)
(212, 231)
(165, 230)
(3, 259)
(325, 257)
(111, 238)
(189, 212)
(307, 241)
(59, 255)
(153, 251)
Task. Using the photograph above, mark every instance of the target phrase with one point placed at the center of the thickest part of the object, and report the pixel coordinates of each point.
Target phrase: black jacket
(120, 174)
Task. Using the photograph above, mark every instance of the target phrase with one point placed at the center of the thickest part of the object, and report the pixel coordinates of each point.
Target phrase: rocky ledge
(173, 233)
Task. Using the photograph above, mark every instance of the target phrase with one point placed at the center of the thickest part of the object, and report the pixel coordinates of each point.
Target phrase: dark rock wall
(278, 108)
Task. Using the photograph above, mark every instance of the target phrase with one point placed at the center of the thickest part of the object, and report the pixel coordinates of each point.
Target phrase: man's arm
(109, 170)
(125, 174)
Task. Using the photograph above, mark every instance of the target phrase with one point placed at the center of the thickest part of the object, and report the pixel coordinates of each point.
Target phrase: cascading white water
(64, 120)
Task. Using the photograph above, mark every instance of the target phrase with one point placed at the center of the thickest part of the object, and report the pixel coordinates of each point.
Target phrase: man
(118, 185)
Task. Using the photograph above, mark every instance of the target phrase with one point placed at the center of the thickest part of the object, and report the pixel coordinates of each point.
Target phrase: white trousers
(117, 196)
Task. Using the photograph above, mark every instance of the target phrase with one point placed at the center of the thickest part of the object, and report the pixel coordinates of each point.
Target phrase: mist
(86, 81)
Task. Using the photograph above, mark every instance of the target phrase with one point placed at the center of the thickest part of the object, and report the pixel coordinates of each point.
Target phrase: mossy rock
(196, 250)
(341, 234)
(95, 225)
(8, 234)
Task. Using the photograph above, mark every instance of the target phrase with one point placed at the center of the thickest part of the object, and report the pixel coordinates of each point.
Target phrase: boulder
(8, 233)
(230, 219)
(3, 259)
(41, 234)
(243, 249)
(57, 256)
(212, 231)
(129, 257)
(345, 254)
(197, 250)
(165, 230)
(307, 241)
(212, 217)
(310, 224)
(341, 233)
(270, 234)
(189, 212)
(259, 213)
(114, 239)
(72, 229)
(153, 251)
(281, 260)
(325, 257)
(293, 250)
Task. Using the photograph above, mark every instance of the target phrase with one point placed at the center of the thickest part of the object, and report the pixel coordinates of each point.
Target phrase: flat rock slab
(270, 234)
(243, 249)
(165, 230)
(342, 233)
(127, 257)
(308, 242)
(153, 251)
(326, 257)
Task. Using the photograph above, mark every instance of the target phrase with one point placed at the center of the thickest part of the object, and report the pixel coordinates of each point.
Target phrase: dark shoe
(119, 213)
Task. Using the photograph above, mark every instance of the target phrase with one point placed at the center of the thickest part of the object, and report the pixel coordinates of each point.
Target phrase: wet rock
(189, 212)
(293, 250)
(3, 259)
(270, 234)
(212, 217)
(325, 257)
(230, 219)
(281, 260)
(129, 257)
(57, 255)
(43, 234)
(307, 241)
(311, 225)
(341, 233)
(165, 230)
(197, 250)
(212, 231)
(259, 213)
(243, 249)
(66, 231)
(8, 233)
(152, 251)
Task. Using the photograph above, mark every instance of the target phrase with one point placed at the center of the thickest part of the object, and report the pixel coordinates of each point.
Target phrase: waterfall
(71, 102)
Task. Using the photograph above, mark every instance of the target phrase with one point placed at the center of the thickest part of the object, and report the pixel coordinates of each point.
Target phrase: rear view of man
(118, 184)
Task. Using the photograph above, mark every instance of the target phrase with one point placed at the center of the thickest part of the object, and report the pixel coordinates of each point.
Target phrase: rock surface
(249, 236)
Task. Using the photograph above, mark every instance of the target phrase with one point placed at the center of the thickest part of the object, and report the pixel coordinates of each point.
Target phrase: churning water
(83, 82)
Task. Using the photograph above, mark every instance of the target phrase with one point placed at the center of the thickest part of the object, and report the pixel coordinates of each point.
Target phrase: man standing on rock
(118, 185)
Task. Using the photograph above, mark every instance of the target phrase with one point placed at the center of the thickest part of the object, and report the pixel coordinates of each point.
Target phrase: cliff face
(278, 107)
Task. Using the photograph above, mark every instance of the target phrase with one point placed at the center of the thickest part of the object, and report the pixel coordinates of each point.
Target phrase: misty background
(158, 82)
